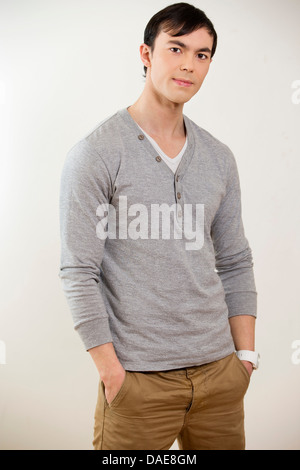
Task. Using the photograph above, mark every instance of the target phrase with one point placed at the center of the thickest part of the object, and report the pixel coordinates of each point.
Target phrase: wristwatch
(250, 356)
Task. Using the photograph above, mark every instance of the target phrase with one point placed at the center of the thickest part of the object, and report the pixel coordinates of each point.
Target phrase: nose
(186, 67)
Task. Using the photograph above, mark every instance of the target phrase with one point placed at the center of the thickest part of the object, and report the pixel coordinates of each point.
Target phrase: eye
(175, 50)
(202, 56)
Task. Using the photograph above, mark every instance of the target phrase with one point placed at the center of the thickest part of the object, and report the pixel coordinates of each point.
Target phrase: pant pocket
(242, 369)
(121, 393)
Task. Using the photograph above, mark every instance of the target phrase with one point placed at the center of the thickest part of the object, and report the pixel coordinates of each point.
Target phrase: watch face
(249, 356)
(257, 362)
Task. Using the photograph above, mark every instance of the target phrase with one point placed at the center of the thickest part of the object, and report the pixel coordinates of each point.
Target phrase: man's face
(178, 65)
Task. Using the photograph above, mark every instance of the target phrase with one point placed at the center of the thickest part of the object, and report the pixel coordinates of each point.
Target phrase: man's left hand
(248, 366)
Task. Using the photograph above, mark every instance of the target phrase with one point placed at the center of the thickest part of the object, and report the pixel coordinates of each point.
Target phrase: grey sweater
(161, 295)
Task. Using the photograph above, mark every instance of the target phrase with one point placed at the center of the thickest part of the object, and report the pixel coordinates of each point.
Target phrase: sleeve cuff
(241, 303)
(94, 333)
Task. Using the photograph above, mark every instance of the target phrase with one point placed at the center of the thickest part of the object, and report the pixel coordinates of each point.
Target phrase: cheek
(162, 68)
(205, 71)
(202, 74)
(159, 76)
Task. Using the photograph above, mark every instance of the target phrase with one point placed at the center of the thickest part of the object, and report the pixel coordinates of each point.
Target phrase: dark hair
(178, 19)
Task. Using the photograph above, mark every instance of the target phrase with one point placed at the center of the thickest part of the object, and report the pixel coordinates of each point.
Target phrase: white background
(64, 66)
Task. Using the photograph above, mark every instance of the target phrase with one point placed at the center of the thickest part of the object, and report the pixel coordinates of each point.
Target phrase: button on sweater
(153, 261)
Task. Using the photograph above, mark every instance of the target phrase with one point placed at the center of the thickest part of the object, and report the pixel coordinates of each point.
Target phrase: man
(155, 264)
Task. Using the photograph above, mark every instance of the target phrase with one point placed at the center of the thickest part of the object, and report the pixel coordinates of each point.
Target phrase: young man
(155, 264)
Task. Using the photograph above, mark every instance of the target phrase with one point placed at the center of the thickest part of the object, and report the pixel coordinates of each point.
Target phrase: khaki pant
(202, 407)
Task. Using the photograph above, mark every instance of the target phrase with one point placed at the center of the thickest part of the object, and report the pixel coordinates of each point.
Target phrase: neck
(158, 116)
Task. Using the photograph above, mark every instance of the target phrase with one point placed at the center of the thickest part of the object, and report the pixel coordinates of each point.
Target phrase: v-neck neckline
(187, 155)
(162, 153)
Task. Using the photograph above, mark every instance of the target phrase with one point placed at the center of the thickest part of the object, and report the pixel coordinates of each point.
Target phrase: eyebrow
(184, 46)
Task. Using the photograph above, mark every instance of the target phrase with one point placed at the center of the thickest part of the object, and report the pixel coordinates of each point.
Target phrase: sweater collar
(189, 152)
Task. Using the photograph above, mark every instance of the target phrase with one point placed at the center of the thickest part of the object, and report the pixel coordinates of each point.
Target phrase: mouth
(182, 82)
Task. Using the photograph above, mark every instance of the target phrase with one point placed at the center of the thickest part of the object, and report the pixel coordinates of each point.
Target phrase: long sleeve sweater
(152, 261)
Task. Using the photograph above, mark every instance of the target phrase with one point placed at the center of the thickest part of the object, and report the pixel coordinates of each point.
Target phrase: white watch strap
(250, 356)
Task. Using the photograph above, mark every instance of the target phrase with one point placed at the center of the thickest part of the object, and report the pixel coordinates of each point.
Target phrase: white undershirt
(171, 162)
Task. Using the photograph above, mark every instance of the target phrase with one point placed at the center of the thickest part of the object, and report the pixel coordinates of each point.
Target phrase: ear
(145, 54)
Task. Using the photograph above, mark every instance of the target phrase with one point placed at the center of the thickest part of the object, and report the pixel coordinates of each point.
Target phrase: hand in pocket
(113, 385)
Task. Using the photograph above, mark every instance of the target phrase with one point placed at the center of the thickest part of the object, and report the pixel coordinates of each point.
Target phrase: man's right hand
(110, 369)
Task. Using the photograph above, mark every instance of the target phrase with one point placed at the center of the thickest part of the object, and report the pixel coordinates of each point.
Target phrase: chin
(181, 100)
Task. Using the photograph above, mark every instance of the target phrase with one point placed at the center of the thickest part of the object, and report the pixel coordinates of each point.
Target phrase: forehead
(197, 39)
